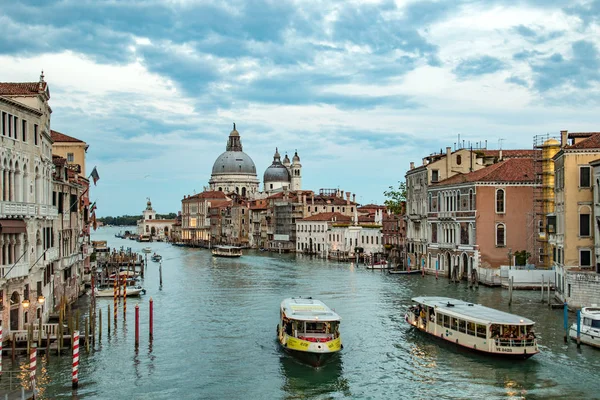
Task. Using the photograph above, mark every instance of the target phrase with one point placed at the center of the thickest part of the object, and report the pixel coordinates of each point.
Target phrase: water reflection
(304, 381)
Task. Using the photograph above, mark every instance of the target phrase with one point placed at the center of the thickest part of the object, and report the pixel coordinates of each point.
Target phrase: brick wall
(582, 289)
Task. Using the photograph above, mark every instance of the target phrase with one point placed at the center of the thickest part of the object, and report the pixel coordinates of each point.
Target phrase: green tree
(396, 198)
(521, 257)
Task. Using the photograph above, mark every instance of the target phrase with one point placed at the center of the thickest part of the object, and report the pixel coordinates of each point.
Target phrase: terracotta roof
(20, 88)
(581, 134)
(592, 142)
(328, 216)
(208, 194)
(220, 203)
(511, 170)
(371, 207)
(516, 153)
(61, 137)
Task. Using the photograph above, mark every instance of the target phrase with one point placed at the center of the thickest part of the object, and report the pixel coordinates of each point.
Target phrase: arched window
(457, 201)
(500, 208)
(500, 235)
(471, 205)
(458, 159)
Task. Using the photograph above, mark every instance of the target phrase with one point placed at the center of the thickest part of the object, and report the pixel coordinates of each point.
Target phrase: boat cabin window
(454, 324)
(595, 323)
(481, 331)
(462, 326)
(471, 328)
(446, 321)
(316, 327)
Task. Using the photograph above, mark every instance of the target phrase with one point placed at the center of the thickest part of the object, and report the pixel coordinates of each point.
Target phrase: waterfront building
(313, 232)
(234, 171)
(150, 226)
(435, 168)
(220, 219)
(70, 195)
(257, 235)
(476, 220)
(360, 235)
(573, 243)
(28, 242)
(195, 216)
(393, 236)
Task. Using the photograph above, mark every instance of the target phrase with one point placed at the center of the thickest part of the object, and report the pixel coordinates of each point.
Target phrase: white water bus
(589, 330)
(309, 330)
(474, 326)
(227, 251)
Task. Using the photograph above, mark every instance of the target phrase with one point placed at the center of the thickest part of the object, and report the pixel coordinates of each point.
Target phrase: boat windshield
(596, 323)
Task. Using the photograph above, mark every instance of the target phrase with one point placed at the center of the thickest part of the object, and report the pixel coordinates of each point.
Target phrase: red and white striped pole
(32, 367)
(75, 359)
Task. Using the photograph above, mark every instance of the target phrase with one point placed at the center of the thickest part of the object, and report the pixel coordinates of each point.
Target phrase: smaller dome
(276, 173)
(148, 204)
(551, 142)
(286, 160)
(296, 158)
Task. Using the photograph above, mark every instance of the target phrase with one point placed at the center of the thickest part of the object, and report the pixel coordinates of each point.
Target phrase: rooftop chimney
(354, 197)
(412, 165)
(563, 138)
(347, 197)
(448, 162)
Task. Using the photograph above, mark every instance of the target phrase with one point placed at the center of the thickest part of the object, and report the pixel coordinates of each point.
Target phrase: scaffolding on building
(546, 147)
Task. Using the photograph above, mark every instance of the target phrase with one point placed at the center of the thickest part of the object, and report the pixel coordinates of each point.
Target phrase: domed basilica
(234, 171)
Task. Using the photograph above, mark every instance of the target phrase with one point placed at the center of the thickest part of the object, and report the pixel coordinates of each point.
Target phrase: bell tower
(296, 170)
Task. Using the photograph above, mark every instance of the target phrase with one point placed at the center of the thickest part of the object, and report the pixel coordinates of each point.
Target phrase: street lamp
(41, 299)
(25, 303)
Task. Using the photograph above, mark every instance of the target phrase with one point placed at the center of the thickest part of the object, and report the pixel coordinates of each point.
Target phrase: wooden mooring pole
(578, 328)
(151, 322)
(100, 327)
(137, 326)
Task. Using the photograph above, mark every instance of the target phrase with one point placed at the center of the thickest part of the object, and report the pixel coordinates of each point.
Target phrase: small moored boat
(309, 330)
(589, 330)
(147, 250)
(378, 265)
(156, 257)
(474, 326)
(109, 292)
(227, 251)
(403, 271)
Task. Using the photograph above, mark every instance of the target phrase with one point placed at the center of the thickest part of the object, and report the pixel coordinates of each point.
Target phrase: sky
(359, 88)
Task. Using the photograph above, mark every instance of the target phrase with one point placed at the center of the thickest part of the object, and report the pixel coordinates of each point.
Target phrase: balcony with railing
(14, 209)
(20, 270)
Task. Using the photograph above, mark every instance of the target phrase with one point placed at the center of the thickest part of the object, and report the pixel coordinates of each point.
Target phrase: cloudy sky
(359, 88)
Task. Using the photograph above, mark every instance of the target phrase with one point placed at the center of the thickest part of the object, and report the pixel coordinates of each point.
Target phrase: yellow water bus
(309, 330)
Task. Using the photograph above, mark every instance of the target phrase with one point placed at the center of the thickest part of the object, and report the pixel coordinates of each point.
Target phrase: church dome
(234, 162)
(276, 172)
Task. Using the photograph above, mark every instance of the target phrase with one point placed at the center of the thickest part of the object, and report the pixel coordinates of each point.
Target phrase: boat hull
(227, 255)
(404, 272)
(586, 336)
(313, 353)
(110, 293)
(313, 359)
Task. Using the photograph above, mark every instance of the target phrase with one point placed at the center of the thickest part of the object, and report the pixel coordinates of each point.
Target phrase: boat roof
(228, 247)
(592, 312)
(471, 311)
(308, 309)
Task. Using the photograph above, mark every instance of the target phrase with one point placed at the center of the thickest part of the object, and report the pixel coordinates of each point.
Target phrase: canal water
(214, 338)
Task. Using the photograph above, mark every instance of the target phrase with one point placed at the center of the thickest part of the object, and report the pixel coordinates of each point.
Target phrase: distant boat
(109, 292)
(147, 250)
(227, 251)
(378, 265)
(403, 271)
(156, 257)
